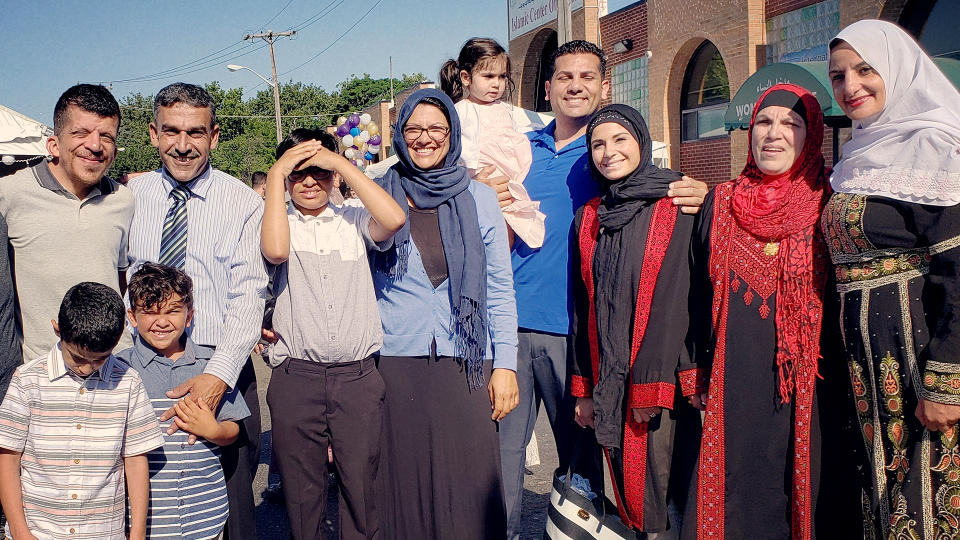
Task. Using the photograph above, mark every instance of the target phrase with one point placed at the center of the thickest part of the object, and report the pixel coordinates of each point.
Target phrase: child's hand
(293, 158)
(498, 183)
(195, 418)
(323, 158)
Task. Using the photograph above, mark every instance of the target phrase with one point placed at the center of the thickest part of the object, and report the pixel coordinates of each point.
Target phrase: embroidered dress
(759, 342)
(641, 462)
(632, 255)
(896, 268)
(746, 459)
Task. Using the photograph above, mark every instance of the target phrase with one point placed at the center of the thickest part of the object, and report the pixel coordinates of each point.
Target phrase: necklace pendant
(771, 248)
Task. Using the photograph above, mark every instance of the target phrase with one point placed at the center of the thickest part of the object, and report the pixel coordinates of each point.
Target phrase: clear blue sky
(52, 46)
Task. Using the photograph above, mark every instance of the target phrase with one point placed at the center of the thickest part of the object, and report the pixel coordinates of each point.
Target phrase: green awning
(810, 75)
(951, 68)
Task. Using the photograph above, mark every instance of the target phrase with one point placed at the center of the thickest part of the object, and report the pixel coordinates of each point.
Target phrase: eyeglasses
(313, 172)
(436, 133)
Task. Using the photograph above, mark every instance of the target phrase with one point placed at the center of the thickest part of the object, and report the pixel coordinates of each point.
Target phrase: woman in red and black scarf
(632, 250)
(759, 279)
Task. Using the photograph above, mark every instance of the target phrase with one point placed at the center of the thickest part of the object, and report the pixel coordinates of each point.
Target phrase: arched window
(934, 24)
(549, 47)
(706, 93)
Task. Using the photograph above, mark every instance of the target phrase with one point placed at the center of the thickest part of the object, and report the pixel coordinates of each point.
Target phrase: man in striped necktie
(207, 223)
(173, 240)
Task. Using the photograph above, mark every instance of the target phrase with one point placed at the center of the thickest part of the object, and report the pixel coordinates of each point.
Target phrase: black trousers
(240, 460)
(441, 455)
(313, 405)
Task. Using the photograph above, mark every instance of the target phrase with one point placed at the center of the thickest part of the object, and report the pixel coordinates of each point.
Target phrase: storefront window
(706, 93)
(630, 85)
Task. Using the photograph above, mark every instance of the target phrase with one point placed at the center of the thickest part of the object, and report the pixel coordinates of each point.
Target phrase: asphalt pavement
(272, 518)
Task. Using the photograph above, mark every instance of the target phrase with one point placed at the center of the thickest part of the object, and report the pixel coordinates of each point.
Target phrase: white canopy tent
(21, 137)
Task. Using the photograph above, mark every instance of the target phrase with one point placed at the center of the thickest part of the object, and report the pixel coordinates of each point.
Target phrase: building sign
(802, 35)
(527, 15)
(630, 85)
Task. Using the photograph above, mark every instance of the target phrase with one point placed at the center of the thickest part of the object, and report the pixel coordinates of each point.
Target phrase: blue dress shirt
(414, 313)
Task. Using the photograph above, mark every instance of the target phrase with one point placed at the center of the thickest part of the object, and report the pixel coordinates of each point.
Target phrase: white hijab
(911, 150)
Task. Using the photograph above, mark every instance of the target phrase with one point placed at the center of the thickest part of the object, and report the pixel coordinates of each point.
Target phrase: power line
(278, 13)
(209, 64)
(187, 65)
(341, 36)
(318, 15)
(211, 60)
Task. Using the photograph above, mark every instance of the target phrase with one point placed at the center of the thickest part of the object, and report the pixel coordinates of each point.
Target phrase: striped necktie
(173, 242)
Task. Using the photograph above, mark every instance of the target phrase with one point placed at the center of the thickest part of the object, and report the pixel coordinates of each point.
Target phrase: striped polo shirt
(73, 433)
(188, 496)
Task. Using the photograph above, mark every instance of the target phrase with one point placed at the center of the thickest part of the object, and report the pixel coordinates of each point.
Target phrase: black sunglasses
(314, 172)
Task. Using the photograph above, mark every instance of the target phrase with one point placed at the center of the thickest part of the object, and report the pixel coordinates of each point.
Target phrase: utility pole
(270, 36)
(564, 22)
(391, 81)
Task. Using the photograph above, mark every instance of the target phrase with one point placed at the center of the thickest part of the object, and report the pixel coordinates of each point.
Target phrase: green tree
(355, 93)
(135, 153)
(247, 126)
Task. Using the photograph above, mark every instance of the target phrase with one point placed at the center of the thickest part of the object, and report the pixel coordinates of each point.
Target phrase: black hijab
(617, 265)
(623, 198)
(443, 188)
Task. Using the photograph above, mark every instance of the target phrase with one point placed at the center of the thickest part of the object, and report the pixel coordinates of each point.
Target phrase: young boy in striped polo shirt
(188, 495)
(75, 424)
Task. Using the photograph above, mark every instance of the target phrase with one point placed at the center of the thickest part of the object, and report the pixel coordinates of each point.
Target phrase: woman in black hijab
(631, 315)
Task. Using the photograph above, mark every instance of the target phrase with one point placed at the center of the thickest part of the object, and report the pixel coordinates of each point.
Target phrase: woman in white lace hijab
(907, 148)
(893, 229)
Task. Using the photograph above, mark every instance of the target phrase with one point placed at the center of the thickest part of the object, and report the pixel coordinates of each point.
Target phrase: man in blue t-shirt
(560, 179)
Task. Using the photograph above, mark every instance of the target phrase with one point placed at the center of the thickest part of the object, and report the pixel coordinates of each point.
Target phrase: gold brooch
(772, 248)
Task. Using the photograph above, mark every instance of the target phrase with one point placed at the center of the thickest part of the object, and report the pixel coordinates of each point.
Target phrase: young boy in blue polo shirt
(188, 496)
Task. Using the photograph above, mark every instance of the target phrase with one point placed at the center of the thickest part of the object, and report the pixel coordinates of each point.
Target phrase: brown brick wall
(672, 30)
(627, 23)
(675, 29)
(707, 160)
(855, 10)
(524, 50)
(779, 7)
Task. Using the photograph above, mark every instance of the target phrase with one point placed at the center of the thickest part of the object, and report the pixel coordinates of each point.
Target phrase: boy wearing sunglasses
(325, 389)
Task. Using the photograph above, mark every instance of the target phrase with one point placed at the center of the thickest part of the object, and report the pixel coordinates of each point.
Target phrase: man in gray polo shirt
(66, 221)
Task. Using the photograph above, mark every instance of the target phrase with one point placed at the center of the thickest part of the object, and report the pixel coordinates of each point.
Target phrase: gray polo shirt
(59, 241)
(326, 308)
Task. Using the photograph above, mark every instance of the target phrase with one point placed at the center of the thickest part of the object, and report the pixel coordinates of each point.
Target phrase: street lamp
(276, 93)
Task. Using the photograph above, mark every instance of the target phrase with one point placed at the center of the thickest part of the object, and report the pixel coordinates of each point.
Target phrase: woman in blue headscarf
(449, 353)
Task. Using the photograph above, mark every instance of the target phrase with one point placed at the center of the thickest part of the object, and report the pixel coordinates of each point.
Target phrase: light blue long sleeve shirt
(414, 313)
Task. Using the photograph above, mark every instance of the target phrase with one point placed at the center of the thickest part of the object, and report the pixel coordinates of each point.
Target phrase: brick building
(680, 62)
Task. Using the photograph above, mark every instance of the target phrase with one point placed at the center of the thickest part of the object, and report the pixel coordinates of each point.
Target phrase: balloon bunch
(360, 136)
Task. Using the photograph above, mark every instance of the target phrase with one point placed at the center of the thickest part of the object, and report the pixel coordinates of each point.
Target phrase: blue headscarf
(443, 188)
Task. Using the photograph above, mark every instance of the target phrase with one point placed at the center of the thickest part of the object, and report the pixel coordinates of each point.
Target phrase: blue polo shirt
(542, 277)
(188, 494)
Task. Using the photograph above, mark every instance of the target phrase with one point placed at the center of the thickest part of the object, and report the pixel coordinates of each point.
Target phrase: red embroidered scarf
(786, 209)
